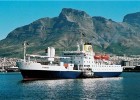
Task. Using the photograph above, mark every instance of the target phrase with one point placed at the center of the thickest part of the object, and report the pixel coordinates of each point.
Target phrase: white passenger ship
(72, 64)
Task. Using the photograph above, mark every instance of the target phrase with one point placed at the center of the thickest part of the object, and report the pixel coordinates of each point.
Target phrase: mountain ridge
(63, 32)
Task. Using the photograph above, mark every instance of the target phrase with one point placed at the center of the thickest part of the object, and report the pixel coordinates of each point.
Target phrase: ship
(81, 63)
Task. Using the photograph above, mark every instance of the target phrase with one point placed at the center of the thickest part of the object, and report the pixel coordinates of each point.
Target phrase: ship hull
(107, 74)
(40, 75)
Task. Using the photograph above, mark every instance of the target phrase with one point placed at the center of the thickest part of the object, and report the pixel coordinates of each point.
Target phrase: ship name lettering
(45, 67)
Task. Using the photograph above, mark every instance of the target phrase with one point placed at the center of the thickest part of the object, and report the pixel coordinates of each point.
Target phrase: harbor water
(125, 87)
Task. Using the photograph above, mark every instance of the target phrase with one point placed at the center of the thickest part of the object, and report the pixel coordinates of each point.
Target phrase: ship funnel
(88, 47)
(50, 52)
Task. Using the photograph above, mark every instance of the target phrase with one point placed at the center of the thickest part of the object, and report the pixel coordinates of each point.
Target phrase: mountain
(133, 19)
(63, 32)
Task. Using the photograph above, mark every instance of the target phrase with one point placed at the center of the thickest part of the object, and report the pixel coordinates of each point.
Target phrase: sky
(14, 14)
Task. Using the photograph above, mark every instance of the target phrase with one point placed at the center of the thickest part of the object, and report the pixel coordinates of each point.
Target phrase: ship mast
(82, 42)
(78, 47)
(24, 49)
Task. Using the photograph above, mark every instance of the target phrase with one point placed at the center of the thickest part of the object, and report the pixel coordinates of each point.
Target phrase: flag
(46, 50)
(83, 34)
(25, 43)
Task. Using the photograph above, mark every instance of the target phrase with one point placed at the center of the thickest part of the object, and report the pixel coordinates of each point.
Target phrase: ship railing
(107, 66)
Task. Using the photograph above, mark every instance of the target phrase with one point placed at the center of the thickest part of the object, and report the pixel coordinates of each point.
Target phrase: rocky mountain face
(66, 30)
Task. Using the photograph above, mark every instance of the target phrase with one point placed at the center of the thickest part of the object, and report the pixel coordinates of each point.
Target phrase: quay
(130, 64)
(6, 64)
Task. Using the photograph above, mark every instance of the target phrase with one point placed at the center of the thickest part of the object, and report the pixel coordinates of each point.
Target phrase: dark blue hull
(107, 74)
(39, 74)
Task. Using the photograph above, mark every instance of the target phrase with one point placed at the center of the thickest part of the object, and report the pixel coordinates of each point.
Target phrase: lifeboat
(106, 57)
(65, 65)
(97, 57)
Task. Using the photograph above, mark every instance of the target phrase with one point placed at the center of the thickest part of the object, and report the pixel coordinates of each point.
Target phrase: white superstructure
(85, 60)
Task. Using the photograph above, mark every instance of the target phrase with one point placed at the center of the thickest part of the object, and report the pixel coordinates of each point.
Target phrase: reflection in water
(79, 89)
(102, 88)
(121, 88)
